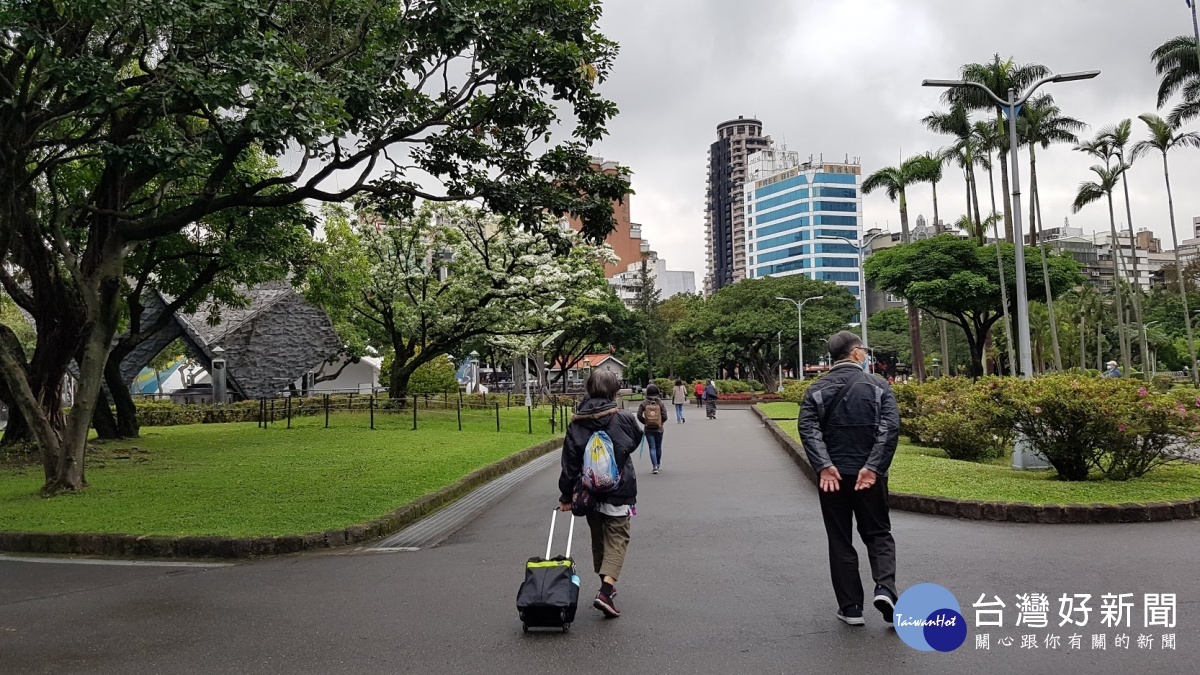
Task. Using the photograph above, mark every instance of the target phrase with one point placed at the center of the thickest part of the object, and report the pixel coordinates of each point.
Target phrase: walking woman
(610, 519)
(679, 396)
(699, 394)
(710, 400)
(652, 413)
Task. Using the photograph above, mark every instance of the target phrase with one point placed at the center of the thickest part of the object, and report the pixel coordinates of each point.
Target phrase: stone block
(1022, 512)
(1051, 514)
(997, 511)
(970, 509)
(1134, 513)
(1160, 511)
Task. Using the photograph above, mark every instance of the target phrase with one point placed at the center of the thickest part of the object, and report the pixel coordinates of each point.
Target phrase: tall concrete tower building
(725, 213)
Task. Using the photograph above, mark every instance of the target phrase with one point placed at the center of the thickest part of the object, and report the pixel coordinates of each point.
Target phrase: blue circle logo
(929, 618)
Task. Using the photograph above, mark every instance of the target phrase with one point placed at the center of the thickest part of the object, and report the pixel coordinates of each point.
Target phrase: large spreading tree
(419, 287)
(958, 280)
(124, 122)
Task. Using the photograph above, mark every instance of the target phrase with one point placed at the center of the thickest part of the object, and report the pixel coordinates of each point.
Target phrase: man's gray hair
(842, 343)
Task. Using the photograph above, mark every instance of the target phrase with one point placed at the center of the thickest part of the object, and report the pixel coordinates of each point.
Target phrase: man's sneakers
(851, 615)
(604, 603)
(885, 603)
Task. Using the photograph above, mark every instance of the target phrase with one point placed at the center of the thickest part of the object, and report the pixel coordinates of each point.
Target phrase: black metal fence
(500, 413)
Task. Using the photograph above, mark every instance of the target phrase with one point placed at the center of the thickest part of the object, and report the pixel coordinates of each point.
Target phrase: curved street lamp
(800, 329)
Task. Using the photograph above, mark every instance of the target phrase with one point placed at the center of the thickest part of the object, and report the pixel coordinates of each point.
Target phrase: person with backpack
(651, 414)
(850, 425)
(598, 479)
(679, 398)
(699, 389)
(710, 400)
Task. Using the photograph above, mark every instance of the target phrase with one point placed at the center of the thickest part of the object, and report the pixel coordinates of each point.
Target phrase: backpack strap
(837, 398)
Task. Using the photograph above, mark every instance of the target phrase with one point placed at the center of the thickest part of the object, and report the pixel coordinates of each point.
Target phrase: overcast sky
(843, 77)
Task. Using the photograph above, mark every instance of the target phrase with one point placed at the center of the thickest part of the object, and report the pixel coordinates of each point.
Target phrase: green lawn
(927, 471)
(781, 410)
(239, 480)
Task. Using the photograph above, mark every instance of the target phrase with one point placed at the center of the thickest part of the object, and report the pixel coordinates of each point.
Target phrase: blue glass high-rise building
(789, 204)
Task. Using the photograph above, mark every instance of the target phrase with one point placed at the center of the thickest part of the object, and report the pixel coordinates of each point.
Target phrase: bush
(1115, 426)
(665, 385)
(794, 390)
(964, 422)
(1162, 383)
(167, 414)
(733, 387)
(755, 385)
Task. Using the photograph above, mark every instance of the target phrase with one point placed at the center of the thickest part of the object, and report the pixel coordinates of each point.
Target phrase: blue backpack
(600, 471)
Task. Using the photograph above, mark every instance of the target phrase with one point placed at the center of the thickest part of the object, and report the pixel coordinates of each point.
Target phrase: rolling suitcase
(549, 595)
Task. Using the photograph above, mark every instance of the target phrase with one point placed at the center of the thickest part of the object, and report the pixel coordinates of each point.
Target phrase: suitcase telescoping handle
(570, 534)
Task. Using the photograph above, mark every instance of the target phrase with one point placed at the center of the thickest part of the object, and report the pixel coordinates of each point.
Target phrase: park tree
(592, 322)
(421, 286)
(746, 325)
(957, 280)
(122, 123)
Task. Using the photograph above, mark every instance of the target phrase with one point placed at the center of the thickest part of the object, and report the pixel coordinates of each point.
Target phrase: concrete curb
(153, 546)
(1013, 512)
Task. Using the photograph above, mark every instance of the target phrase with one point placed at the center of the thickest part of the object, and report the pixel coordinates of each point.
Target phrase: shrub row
(1115, 427)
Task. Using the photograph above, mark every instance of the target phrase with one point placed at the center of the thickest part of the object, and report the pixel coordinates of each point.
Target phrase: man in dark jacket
(610, 520)
(850, 424)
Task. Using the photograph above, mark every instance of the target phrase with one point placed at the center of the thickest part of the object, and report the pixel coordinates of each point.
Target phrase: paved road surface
(726, 574)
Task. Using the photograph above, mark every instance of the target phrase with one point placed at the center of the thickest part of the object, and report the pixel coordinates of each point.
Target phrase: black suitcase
(549, 595)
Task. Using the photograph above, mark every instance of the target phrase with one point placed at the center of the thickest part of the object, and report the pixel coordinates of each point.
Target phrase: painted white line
(114, 563)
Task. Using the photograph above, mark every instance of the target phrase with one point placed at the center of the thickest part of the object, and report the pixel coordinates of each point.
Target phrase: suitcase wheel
(566, 627)
(525, 627)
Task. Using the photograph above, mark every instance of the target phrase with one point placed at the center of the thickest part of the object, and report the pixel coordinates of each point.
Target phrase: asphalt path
(726, 573)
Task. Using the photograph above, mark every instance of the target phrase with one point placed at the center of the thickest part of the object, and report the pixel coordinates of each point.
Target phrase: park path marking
(432, 530)
(112, 563)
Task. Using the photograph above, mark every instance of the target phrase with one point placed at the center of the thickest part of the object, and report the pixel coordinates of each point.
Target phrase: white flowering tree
(421, 286)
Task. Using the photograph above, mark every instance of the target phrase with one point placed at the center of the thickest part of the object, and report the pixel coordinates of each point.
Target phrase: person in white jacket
(679, 396)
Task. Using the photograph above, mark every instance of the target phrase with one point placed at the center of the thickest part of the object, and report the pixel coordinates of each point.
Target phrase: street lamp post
(861, 249)
(1010, 107)
(800, 330)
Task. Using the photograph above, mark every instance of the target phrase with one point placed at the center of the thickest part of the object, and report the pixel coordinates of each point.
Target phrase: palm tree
(934, 161)
(896, 180)
(1042, 123)
(1177, 64)
(957, 123)
(991, 138)
(1163, 138)
(999, 76)
(1093, 191)
(1118, 137)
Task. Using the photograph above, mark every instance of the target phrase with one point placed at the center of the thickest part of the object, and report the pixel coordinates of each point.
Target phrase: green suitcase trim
(548, 563)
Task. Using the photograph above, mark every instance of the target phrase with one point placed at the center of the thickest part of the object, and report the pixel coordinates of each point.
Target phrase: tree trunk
(1008, 343)
(1187, 314)
(1122, 329)
(1137, 282)
(914, 321)
(982, 234)
(127, 417)
(1008, 216)
(1082, 342)
(103, 420)
(945, 349)
(1036, 236)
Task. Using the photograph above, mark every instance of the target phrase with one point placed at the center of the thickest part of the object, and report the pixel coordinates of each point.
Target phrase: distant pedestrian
(652, 413)
(1113, 370)
(679, 397)
(610, 513)
(710, 400)
(699, 389)
(850, 425)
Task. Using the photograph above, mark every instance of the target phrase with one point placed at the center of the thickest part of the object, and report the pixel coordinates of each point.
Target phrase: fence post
(372, 406)
(414, 412)
(529, 414)
(460, 397)
(350, 406)
(261, 418)
(497, 417)
(508, 403)
(553, 416)
(272, 411)
(460, 416)
(326, 411)
(289, 412)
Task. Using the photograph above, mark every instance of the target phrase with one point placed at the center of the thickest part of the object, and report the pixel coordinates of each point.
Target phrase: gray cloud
(843, 77)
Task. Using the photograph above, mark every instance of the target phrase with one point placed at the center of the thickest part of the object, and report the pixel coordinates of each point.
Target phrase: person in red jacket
(699, 390)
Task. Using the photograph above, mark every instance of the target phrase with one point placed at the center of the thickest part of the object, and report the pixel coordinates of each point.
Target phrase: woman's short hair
(653, 390)
(602, 384)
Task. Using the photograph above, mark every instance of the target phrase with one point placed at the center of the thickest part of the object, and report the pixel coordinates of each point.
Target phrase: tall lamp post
(860, 249)
(800, 329)
(1010, 107)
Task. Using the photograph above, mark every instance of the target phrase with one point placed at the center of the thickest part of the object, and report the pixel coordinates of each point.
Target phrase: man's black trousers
(870, 508)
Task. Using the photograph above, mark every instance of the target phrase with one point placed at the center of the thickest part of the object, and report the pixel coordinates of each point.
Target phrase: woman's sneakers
(655, 470)
(851, 615)
(604, 603)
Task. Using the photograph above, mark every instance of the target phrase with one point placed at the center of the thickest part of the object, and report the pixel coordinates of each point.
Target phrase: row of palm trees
(979, 141)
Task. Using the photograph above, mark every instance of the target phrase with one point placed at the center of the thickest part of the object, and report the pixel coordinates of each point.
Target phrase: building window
(848, 207)
(741, 129)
